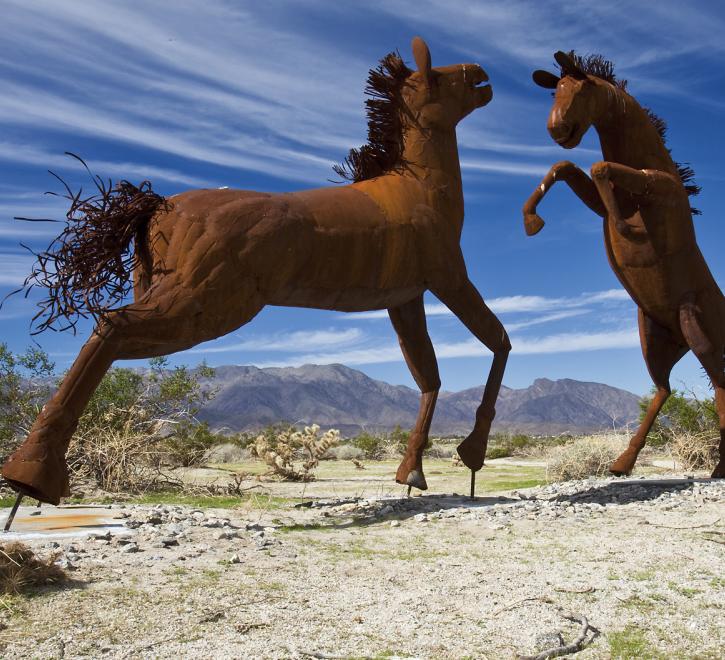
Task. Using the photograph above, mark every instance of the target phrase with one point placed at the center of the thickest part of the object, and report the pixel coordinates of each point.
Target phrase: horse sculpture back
(207, 261)
(642, 195)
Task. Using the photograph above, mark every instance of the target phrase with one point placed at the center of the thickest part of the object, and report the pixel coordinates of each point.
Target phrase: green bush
(374, 446)
(398, 439)
(681, 416)
(137, 422)
(501, 451)
(25, 384)
(190, 442)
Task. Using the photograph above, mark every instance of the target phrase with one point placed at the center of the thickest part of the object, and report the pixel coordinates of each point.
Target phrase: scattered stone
(226, 535)
(168, 541)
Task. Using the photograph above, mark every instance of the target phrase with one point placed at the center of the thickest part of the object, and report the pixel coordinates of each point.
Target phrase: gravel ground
(437, 576)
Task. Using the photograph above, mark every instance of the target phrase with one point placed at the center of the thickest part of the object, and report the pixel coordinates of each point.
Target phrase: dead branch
(515, 604)
(577, 645)
(324, 656)
(710, 524)
(586, 590)
(133, 652)
(707, 538)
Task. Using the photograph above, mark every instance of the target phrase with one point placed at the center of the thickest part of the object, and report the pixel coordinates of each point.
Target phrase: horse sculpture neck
(627, 134)
(431, 157)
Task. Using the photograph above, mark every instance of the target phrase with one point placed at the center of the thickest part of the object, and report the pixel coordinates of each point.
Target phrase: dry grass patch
(695, 451)
(21, 569)
(584, 457)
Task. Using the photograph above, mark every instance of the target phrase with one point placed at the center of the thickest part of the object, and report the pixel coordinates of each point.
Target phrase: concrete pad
(63, 522)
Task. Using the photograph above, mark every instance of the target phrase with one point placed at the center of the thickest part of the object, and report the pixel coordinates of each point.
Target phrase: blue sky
(267, 96)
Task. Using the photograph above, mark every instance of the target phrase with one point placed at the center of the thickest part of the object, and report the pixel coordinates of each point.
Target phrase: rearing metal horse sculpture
(642, 194)
(207, 261)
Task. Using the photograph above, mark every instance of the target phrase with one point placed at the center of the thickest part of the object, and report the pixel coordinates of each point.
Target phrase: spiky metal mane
(384, 148)
(599, 66)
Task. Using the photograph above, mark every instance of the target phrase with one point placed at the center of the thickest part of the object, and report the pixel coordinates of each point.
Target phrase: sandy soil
(359, 571)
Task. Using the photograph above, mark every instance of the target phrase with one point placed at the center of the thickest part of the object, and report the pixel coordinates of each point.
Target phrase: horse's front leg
(409, 323)
(466, 303)
(582, 186)
(652, 183)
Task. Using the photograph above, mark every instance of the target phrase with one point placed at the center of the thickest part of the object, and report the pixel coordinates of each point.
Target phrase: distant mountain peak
(339, 396)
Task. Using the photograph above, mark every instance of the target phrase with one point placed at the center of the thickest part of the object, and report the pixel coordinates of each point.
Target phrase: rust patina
(207, 261)
(642, 195)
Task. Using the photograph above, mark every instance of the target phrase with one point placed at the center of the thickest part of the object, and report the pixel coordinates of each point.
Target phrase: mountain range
(336, 396)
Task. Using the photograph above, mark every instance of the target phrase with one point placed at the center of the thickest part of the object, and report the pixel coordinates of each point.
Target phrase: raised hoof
(416, 479)
(472, 454)
(719, 471)
(36, 471)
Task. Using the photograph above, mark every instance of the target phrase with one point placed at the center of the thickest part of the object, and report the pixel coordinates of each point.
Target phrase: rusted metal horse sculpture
(642, 194)
(207, 261)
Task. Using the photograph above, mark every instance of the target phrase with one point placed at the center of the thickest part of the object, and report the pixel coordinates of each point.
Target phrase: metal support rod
(13, 511)
(473, 485)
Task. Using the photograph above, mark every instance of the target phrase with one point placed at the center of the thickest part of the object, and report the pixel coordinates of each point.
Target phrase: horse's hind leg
(709, 347)
(409, 322)
(37, 468)
(466, 303)
(661, 352)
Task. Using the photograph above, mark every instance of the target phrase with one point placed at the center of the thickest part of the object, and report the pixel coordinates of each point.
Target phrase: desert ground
(348, 566)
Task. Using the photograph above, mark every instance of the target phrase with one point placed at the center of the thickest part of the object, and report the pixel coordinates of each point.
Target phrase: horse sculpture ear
(568, 66)
(545, 79)
(421, 54)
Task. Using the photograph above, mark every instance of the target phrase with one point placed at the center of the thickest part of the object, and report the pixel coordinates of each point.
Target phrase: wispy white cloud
(302, 340)
(227, 89)
(529, 33)
(572, 342)
(504, 167)
(15, 268)
(546, 318)
(15, 152)
(575, 342)
(511, 304)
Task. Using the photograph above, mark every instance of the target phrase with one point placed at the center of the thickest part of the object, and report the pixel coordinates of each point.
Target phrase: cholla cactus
(279, 451)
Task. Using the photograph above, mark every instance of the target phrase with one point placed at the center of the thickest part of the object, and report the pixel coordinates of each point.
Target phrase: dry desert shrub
(346, 453)
(695, 451)
(21, 568)
(584, 457)
(293, 454)
(439, 450)
(125, 456)
(227, 452)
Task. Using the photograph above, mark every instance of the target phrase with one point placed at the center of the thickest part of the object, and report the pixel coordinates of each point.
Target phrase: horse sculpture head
(582, 97)
(439, 97)
(431, 98)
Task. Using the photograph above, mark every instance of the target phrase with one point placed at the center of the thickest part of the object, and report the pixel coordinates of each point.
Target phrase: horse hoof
(622, 467)
(472, 454)
(416, 479)
(36, 471)
(719, 471)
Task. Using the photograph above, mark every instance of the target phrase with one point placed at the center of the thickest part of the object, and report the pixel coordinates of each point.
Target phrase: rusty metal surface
(61, 522)
(217, 257)
(643, 197)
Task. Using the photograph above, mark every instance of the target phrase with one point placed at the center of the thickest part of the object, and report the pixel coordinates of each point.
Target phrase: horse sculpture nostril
(559, 130)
